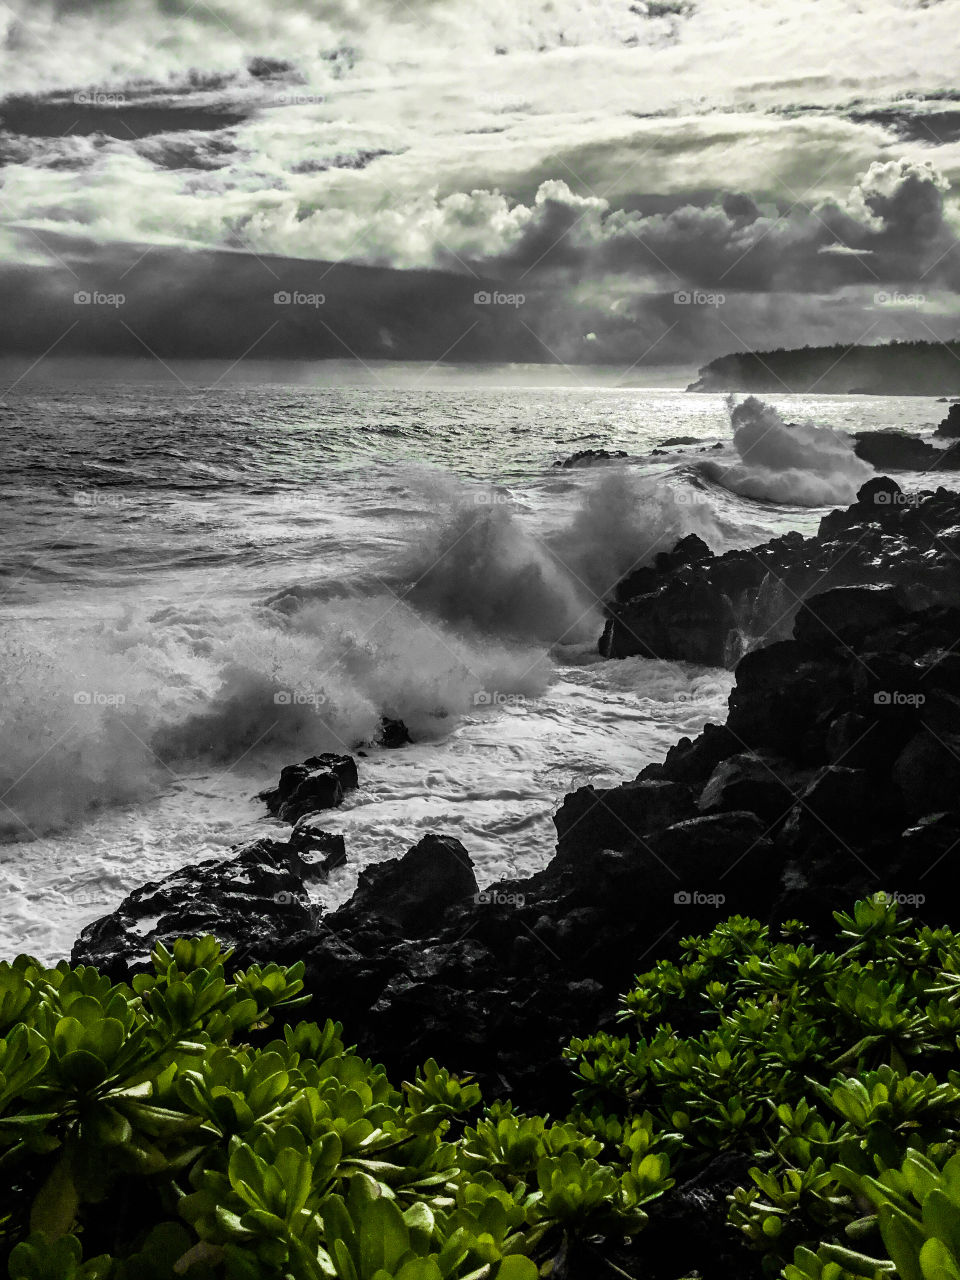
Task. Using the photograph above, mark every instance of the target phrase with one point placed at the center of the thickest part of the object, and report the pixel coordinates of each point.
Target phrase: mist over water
(189, 604)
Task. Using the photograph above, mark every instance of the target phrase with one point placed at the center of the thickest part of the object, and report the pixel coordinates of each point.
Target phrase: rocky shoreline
(836, 774)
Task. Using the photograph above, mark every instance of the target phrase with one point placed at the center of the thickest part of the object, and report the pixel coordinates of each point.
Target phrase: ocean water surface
(200, 588)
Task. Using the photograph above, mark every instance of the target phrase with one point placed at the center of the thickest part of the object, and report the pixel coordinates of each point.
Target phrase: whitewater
(201, 587)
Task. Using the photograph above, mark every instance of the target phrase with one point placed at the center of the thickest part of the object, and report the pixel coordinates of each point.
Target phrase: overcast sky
(637, 182)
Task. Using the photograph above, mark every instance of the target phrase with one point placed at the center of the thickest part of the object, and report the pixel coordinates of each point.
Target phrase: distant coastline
(895, 368)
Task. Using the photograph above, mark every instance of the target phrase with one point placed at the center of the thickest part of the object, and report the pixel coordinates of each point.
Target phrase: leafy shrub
(142, 1138)
(139, 1142)
(828, 1067)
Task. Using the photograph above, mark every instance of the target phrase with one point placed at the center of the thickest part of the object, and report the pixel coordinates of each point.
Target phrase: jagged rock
(415, 892)
(927, 771)
(894, 451)
(617, 817)
(393, 734)
(844, 614)
(950, 426)
(752, 782)
(714, 609)
(318, 783)
(247, 900)
(585, 457)
(316, 853)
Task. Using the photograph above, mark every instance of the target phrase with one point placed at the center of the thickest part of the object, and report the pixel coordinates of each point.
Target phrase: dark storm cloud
(107, 112)
(168, 303)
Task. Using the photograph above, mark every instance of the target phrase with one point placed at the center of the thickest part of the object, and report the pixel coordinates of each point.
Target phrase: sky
(609, 183)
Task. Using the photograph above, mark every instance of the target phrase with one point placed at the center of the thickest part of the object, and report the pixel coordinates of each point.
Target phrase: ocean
(199, 587)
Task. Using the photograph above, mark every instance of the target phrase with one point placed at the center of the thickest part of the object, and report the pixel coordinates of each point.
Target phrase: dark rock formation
(413, 894)
(318, 783)
(586, 457)
(950, 426)
(696, 607)
(393, 734)
(836, 775)
(259, 895)
(894, 451)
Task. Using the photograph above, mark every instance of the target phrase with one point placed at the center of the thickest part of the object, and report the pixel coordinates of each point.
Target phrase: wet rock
(316, 853)
(693, 606)
(248, 900)
(750, 782)
(894, 451)
(950, 426)
(319, 783)
(844, 614)
(617, 817)
(414, 893)
(586, 457)
(928, 771)
(393, 734)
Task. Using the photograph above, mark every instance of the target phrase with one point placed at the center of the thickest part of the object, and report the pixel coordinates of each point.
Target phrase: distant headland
(894, 368)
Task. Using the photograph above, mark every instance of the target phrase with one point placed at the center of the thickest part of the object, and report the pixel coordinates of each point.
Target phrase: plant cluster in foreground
(143, 1137)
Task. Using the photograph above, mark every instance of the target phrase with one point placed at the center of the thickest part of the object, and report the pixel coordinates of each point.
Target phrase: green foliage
(139, 1141)
(143, 1136)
